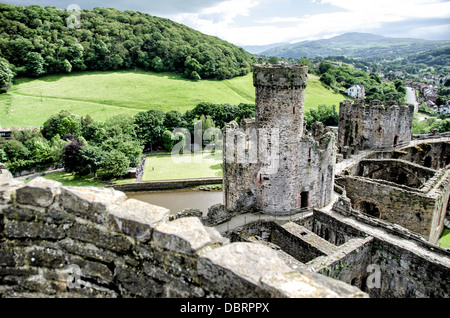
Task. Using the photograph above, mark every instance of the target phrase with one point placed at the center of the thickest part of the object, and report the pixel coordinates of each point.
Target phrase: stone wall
(166, 184)
(373, 126)
(399, 205)
(394, 170)
(61, 241)
(434, 155)
(380, 259)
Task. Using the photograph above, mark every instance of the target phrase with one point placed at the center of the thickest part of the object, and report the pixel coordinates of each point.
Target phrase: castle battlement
(390, 106)
(278, 76)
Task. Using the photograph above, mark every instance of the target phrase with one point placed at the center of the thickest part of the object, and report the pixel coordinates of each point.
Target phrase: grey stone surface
(136, 218)
(90, 202)
(185, 235)
(38, 192)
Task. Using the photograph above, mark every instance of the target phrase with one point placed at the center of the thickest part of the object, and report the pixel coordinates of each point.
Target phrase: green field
(104, 94)
(444, 241)
(165, 167)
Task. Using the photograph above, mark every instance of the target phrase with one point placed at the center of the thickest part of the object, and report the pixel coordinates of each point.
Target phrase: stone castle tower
(271, 164)
(373, 126)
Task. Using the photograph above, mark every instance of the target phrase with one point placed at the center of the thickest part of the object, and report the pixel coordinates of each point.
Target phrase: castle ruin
(386, 208)
(272, 164)
(373, 126)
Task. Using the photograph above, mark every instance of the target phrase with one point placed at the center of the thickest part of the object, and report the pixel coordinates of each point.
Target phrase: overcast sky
(260, 22)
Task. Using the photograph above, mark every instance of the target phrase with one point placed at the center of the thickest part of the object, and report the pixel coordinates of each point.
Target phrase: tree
(6, 77)
(168, 140)
(116, 164)
(62, 124)
(15, 150)
(92, 158)
(326, 114)
(274, 60)
(71, 158)
(34, 64)
(174, 119)
(324, 67)
(150, 126)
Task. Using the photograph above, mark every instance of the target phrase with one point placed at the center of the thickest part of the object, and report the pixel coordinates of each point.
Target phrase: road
(411, 98)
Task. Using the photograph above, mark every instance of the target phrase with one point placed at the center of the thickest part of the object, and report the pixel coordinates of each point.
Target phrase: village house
(356, 91)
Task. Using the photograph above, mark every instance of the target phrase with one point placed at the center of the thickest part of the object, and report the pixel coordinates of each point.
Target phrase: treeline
(84, 146)
(341, 78)
(36, 41)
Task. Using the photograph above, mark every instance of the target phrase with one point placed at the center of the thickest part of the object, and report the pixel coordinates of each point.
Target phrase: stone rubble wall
(408, 208)
(61, 241)
(373, 126)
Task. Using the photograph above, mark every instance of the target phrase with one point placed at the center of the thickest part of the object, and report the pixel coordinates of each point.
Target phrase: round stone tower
(280, 95)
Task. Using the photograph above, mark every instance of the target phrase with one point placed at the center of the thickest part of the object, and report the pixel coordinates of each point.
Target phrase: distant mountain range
(355, 45)
(256, 49)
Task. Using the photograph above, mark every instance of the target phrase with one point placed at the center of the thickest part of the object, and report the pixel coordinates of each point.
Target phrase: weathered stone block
(7, 188)
(101, 238)
(38, 192)
(38, 256)
(19, 214)
(7, 258)
(308, 285)
(237, 268)
(136, 218)
(133, 283)
(87, 250)
(185, 235)
(217, 214)
(90, 202)
(15, 229)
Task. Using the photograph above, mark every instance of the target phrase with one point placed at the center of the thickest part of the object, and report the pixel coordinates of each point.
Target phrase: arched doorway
(369, 208)
(395, 141)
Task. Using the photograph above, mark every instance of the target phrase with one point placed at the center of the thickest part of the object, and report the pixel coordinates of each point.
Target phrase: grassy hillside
(104, 94)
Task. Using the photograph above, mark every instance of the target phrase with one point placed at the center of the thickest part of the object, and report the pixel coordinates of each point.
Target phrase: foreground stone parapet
(58, 241)
(185, 235)
(39, 192)
(309, 285)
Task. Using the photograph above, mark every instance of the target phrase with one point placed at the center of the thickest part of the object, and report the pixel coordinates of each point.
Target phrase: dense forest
(36, 41)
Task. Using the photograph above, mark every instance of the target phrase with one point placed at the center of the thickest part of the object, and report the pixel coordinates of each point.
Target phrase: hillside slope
(356, 45)
(39, 41)
(105, 94)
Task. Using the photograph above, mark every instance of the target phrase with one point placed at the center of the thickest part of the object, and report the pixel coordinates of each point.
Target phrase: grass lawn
(103, 94)
(163, 166)
(445, 239)
(30, 102)
(69, 179)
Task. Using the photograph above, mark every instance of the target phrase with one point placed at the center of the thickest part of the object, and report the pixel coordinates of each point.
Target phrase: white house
(356, 91)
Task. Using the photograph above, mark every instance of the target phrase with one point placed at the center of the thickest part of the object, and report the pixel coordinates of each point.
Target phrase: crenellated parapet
(278, 76)
(376, 105)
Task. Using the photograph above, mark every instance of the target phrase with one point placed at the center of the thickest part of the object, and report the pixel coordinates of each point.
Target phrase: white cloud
(348, 16)
(217, 19)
